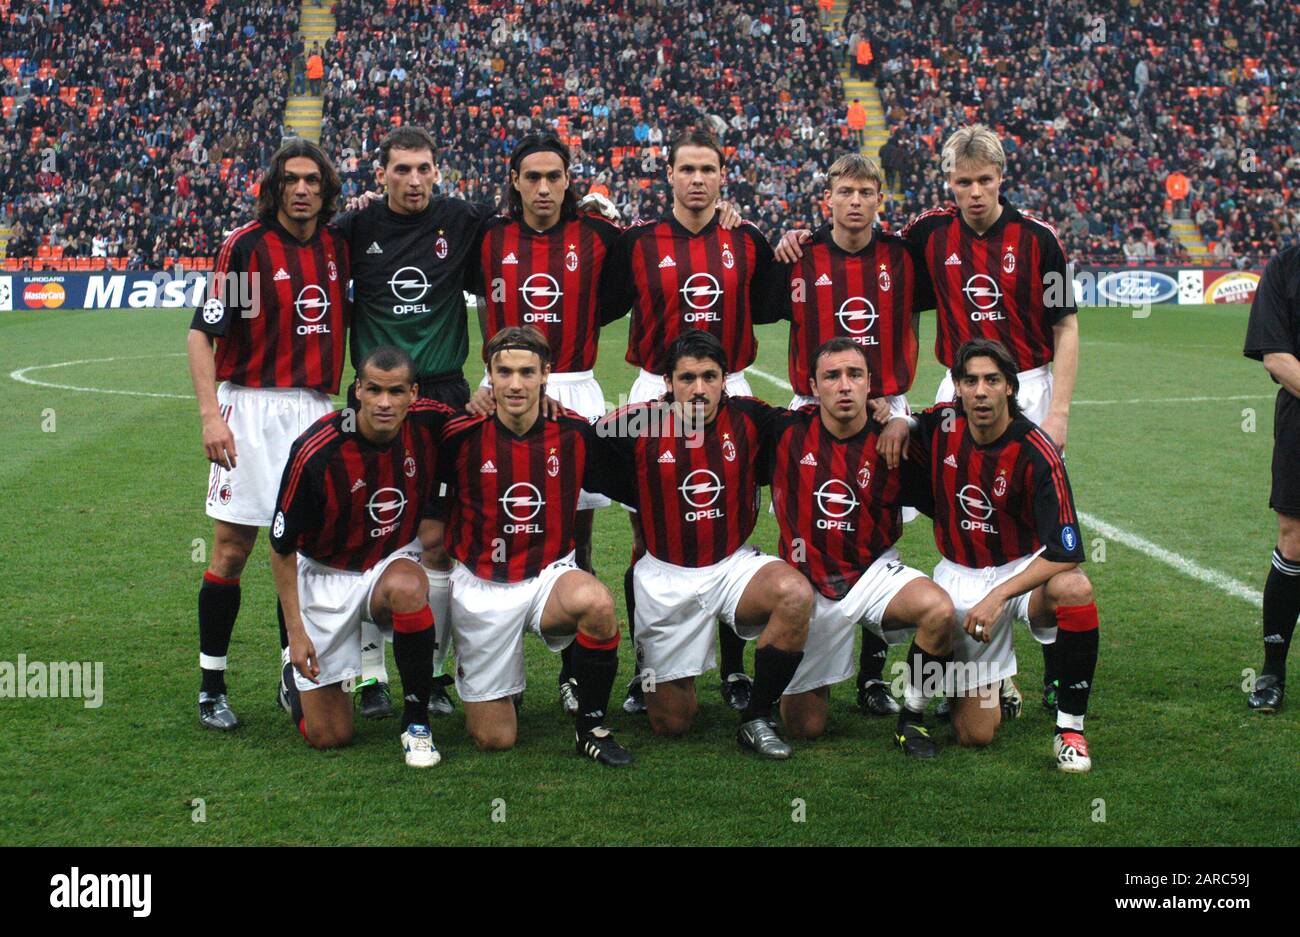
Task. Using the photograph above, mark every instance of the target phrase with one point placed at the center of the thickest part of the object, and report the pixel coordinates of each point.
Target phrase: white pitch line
(785, 385)
(21, 376)
(1212, 577)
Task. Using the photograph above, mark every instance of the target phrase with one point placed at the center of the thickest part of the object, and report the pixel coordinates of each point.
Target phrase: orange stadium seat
(98, 263)
(92, 113)
(7, 103)
(43, 252)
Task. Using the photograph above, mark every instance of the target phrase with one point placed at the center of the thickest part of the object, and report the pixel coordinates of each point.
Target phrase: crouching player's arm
(302, 653)
(1042, 571)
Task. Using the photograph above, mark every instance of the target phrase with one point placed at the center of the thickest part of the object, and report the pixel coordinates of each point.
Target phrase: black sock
(413, 644)
(566, 663)
(284, 633)
(925, 672)
(629, 599)
(871, 659)
(1076, 640)
(733, 651)
(1051, 663)
(218, 608)
(773, 671)
(594, 668)
(1281, 607)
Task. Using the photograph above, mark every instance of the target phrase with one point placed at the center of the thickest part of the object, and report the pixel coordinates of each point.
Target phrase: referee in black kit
(1273, 337)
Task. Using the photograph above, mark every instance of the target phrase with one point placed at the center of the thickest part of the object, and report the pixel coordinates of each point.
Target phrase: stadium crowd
(139, 136)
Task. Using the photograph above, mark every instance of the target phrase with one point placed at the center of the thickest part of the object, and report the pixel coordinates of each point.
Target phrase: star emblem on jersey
(312, 304)
(408, 466)
(808, 459)
(509, 258)
(700, 489)
(982, 292)
(882, 278)
(277, 527)
(953, 260)
(856, 315)
(213, 311)
(701, 290)
(385, 507)
(522, 501)
(488, 468)
(374, 248)
(409, 284)
(822, 280)
(667, 459)
(835, 499)
(541, 291)
(280, 274)
(667, 262)
(975, 502)
(951, 461)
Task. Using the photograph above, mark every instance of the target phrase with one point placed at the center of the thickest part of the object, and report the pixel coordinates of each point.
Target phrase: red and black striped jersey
(347, 502)
(514, 501)
(836, 501)
(1010, 283)
(873, 296)
(719, 281)
(995, 503)
(547, 279)
(696, 488)
(278, 308)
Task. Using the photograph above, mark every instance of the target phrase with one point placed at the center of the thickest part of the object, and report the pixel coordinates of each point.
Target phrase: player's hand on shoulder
(219, 442)
(893, 442)
(358, 202)
(728, 215)
(788, 249)
(879, 409)
(551, 408)
(1055, 427)
(599, 204)
(482, 403)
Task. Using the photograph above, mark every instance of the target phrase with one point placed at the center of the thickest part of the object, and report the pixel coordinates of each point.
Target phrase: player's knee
(972, 734)
(229, 557)
(804, 723)
(408, 587)
(326, 736)
(794, 602)
(937, 621)
(671, 724)
(598, 619)
(1071, 588)
(1288, 537)
(493, 738)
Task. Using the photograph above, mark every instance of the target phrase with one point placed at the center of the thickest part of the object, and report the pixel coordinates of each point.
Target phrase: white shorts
(981, 663)
(648, 386)
(265, 421)
(1034, 396)
(677, 606)
(581, 393)
(828, 655)
(488, 621)
(333, 603)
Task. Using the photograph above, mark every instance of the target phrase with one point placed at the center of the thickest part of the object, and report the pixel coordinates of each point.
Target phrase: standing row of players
(548, 265)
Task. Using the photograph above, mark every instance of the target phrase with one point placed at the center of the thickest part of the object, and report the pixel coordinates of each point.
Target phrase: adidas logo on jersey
(358, 485)
(667, 458)
(374, 248)
(488, 468)
(808, 459)
(667, 262)
(953, 260)
(823, 280)
(951, 461)
(509, 258)
(280, 274)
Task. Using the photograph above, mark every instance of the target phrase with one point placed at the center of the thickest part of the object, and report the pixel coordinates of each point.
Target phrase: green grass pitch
(102, 495)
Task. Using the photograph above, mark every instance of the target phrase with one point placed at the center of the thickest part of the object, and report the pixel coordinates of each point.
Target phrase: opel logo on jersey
(409, 284)
(835, 498)
(312, 304)
(541, 291)
(856, 315)
(975, 502)
(982, 292)
(522, 502)
(700, 489)
(701, 291)
(386, 506)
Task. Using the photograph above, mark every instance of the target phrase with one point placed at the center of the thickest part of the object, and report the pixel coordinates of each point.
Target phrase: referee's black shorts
(1285, 497)
(449, 387)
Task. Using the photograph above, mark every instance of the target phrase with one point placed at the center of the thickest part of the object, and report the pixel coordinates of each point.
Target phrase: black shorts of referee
(449, 387)
(1285, 495)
